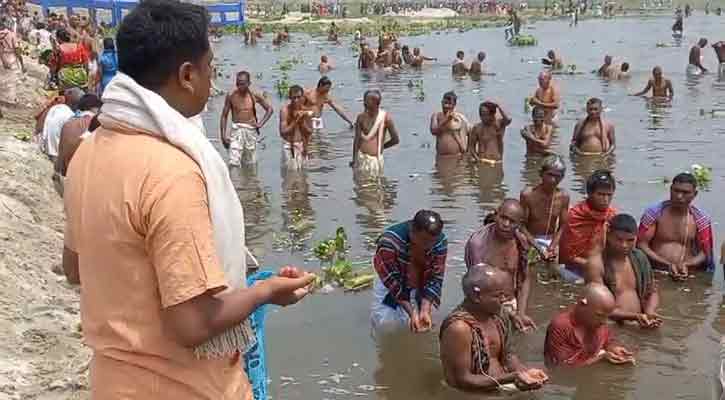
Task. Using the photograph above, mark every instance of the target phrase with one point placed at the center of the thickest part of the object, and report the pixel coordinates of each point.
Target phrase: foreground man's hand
(289, 286)
(530, 379)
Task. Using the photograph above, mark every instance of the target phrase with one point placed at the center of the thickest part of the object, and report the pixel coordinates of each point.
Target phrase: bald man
(475, 338)
(502, 245)
(547, 96)
(579, 336)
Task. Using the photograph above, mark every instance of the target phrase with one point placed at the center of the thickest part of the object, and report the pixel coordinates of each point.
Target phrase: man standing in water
(371, 130)
(485, 142)
(155, 230)
(677, 236)
(695, 66)
(242, 102)
(476, 338)
(607, 69)
(450, 128)
(593, 134)
(295, 127)
(580, 336)
(661, 87)
(418, 59)
(719, 48)
(410, 262)
(626, 271)
(553, 60)
(367, 57)
(537, 135)
(583, 233)
(547, 96)
(459, 66)
(502, 245)
(546, 210)
(317, 98)
(477, 66)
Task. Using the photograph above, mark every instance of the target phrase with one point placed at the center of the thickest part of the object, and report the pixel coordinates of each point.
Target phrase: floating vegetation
(334, 248)
(339, 271)
(285, 66)
(418, 89)
(703, 175)
(523, 40)
(23, 136)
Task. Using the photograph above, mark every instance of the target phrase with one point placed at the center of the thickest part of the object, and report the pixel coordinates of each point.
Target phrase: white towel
(128, 104)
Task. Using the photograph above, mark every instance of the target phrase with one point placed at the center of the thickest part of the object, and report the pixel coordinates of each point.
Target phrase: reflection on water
(328, 334)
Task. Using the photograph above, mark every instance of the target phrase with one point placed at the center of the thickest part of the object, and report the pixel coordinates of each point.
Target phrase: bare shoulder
(526, 194)
(456, 330)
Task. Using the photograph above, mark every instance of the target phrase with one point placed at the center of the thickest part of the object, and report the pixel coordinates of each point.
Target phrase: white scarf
(378, 129)
(126, 104)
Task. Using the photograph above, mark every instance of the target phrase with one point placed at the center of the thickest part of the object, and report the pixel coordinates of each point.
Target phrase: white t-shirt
(41, 38)
(57, 116)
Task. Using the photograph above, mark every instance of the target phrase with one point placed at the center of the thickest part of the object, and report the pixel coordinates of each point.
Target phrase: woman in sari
(69, 62)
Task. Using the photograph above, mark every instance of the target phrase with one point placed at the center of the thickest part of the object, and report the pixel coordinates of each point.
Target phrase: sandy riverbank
(41, 354)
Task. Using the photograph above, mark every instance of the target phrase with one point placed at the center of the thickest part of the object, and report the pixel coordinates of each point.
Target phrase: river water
(322, 348)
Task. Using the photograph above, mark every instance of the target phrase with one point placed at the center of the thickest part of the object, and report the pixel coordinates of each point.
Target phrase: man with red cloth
(585, 231)
(579, 336)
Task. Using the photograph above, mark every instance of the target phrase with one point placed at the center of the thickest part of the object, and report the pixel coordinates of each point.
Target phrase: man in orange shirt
(154, 228)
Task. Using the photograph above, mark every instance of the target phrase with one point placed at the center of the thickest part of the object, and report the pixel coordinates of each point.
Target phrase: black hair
(372, 91)
(601, 178)
(324, 81)
(489, 218)
(451, 96)
(95, 123)
(428, 221)
(109, 44)
(158, 36)
(594, 100)
(245, 73)
(685, 177)
(460, 53)
(88, 102)
(623, 223)
(625, 67)
(39, 25)
(63, 36)
(295, 89)
(538, 110)
(490, 106)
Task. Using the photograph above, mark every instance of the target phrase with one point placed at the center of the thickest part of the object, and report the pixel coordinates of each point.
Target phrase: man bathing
(661, 87)
(593, 134)
(584, 232)
(580, 336)
(410, 263)
(295, 127)
(627, 272)
(325, 65)
(539, 134)
(450, 128)
(607, 70)
(553, 60)
(418, 59)
(372, 129)
(367, 57)
(477, 66)
(546, 210)
(547, 96)
(476, 338)
(695, 66)
(676, 235)
(244, 135)
(503, 246)
(485, 143)
(317, 98)
(459, 66)
(719, 48)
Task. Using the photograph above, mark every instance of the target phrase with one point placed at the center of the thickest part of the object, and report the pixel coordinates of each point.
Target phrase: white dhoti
(243, 144)
(366, 163)
(383, 317)
(317, 124)
(369, 165)
(292, 155)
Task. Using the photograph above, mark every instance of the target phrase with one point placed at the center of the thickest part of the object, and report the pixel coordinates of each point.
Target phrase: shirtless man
(475, 339)
(719, 48)
(325, 65)
(547, 96)
(450, 128)
(502, 245)
(241, 141)
(677, 236)
(579, 336)
(316, 99)
(537, 135)
(546, 210)
(660, 86)
(623, 72)
(593, 134)
(607, 69)
(695, 66)
(485, 143)
(418, 59)
(459, 66)
(367, 57)
(626, 271)
(295, 127)
(477, 66)
(372, 129)
(553, 60)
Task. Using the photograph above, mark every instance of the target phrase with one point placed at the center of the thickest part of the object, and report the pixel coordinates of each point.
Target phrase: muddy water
(322, 349)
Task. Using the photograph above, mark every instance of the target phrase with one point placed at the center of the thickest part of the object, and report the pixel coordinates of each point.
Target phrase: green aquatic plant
(418, 90)
(332, 248)
(703, 175)
(23, 136)
(523, 40)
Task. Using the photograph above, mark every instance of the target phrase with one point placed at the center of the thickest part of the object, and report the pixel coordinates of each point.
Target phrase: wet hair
(625, 67)
(244, 73)
(324, 81)
(428, 221)
(108, 44)
(623, 223)
(538, 111)
(323, 58)
(594, 101)
(553, 162)
(685, 177)
(481, 55)
(450, 96)
(375, 92)
(601, 178)
(655, 69)
(169, 31)
(489, 218)
(702, 42)
(88, 102)
(295, 89)
(460, 53)
(63, 36)
(491, 107)
(95, 123)
(405, 48)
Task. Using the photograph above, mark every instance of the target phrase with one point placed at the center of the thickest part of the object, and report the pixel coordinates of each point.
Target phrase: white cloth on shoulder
(369, 164)
(126, 104)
